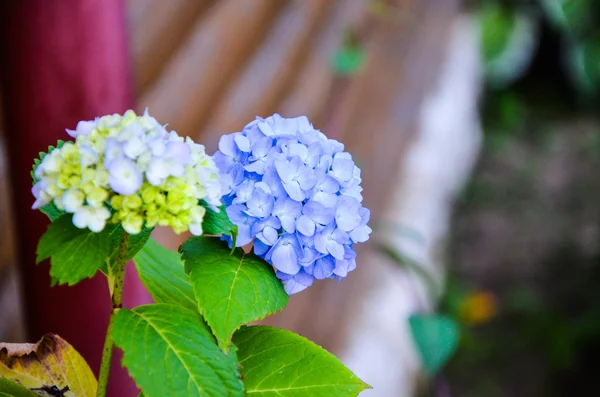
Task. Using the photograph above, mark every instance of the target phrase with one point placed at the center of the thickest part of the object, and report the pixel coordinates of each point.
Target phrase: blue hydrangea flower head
(296, 195)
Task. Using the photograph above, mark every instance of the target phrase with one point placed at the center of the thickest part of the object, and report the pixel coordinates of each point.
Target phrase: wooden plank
(378, 115)
(156, 29)
(311, 89)
(203, 67)
(272, 69)
(406, 54)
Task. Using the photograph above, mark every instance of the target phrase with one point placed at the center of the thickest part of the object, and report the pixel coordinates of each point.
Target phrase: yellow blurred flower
(478, 307)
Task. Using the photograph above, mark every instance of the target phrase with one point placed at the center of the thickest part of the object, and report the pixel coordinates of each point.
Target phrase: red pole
(62, 61)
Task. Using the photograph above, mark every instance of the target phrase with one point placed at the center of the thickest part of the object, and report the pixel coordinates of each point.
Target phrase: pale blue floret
(286, 253)
(314, 216)
(124, 176)
(83, 128)
(238, 214)
(296, 195)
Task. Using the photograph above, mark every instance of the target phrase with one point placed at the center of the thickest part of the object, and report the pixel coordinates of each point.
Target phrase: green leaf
(231, 289)
(169, 351)
(436, 337)
(11, 389)
(161, 271)
(57, 235)
(137, 241)
(75, 253)
(52, 211)
(508, 40)
(497, 24)
(584, 64)
(80, 258)
(277, 362)
(217, 223)
(574, 18)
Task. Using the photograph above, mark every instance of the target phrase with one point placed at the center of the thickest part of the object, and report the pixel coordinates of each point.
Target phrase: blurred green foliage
(545, 338)
(510, 31)
(350, 57)
(548, 334)
(436, 337)
(508, 39)
(497, 24)
(585, 65)
(348, 60)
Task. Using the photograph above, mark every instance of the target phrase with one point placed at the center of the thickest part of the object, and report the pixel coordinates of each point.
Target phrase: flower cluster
(297, 194)
(128, 169)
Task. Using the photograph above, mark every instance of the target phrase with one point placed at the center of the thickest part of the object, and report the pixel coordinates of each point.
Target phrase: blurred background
(475, 124)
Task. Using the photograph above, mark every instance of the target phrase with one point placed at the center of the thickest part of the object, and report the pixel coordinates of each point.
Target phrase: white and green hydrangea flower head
(128, 169)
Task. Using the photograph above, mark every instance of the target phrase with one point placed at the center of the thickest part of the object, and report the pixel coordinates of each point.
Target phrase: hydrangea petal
(284, 258)
(324, 267)
(287, 210)
(309, 255)
(360, 234)
(272, 180)
(294, 190)
(72, 200)
(157, 171)
(291, 286)
(228, 146)
(335, 249)
(329, 185)
(270, 235)
(343, 168)
(326, 199)
(288, 171)
(304, 278)
(244, 192)
(305, 225)
(88, 155)
(318, 212)
(83, 128)
(341, 267)
(257, 166)
(125, 178)
(242, 142)
(260, 248)
(321, 243)
(178, 151)
(299, 150)
(261, 203)
(307, 179)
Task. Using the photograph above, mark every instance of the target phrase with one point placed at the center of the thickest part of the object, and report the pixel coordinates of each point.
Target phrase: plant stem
(116, 299)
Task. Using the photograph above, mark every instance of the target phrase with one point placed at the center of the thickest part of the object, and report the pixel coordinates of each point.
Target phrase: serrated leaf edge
(228, 340)
(321, 348)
